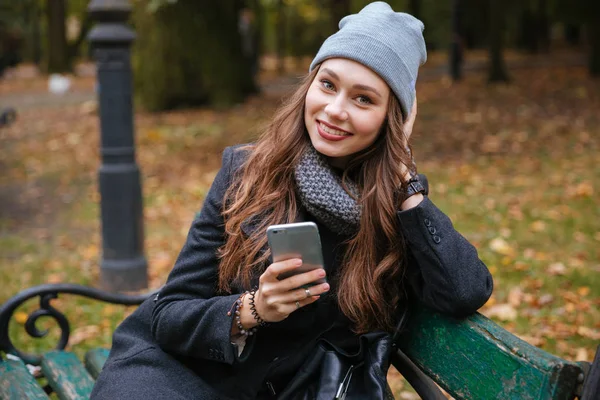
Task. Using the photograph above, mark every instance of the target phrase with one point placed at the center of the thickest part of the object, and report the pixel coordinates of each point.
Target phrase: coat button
(427, 222)
(436, 239)
(432, 230)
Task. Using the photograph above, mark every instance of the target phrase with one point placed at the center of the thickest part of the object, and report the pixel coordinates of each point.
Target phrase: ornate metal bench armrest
(46, 293)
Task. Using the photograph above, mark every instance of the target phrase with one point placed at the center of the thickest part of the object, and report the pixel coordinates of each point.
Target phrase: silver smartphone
(296, 240)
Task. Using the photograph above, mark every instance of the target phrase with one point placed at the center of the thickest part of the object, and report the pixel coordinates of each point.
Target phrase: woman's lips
(322, 127)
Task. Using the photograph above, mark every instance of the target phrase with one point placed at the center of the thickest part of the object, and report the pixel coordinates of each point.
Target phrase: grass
(515, 167)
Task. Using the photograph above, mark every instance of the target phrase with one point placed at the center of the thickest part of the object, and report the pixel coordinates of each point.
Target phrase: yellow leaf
(538, 226)
(153, 135)
(81, 334)
(582, 354)
(584, 189)
(583, 291)
(532, 340)
(500, 246)
(588, 333)
(55, 278)
(504, 312)
(90, 252)
(491, 301)
(109, 310)
(21, 317)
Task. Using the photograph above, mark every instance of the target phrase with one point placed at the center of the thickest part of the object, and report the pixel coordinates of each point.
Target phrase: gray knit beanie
(389, 43)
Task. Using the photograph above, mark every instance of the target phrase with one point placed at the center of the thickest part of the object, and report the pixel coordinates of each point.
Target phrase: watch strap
(416, 184)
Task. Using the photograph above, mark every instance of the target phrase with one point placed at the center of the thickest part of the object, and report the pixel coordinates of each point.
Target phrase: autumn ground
(515, 167)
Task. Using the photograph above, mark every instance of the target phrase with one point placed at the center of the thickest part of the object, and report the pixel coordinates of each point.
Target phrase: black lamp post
(123, 265)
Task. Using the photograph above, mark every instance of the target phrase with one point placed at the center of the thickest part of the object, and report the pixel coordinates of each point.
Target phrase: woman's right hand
(276, 299)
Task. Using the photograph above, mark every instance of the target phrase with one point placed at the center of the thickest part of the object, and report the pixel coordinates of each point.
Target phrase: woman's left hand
(407, 128)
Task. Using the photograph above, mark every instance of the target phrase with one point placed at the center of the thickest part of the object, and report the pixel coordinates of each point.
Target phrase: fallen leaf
(538, 226)
(582, 354)
(55, 278)
(83, 333)
(500, 246)
(515, 296)
(534, 341)
(504, 312)
(583, 291)
(570, 308)
(584, 189)
(557, 269)
(588, 333)
(529, 253)
(21, 317)
(545, 300)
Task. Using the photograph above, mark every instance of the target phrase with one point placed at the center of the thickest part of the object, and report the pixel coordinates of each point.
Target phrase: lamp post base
(124, 275)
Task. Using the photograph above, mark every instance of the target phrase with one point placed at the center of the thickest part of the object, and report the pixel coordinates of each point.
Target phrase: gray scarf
(321, 193)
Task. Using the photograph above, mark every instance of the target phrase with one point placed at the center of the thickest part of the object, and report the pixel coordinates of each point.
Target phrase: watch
(413, 186)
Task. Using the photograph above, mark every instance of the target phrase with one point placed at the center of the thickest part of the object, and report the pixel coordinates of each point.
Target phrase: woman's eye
(327, 85)
(364, 100)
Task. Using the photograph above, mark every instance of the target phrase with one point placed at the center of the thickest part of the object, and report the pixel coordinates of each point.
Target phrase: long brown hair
(264, 191)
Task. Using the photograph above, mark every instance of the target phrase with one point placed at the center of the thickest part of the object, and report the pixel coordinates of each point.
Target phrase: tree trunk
(190, 53)
(338, 9)
(36, 36)
(594, 39)
(58, 56)
(281, 36)
(572, 34)
(497, 72)
(259, 23)
(527, 38)
(414, 8)
(75, 46)
(456, 46)
(543, 26)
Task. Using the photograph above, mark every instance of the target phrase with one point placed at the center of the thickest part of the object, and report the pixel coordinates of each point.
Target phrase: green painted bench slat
(16, 383)
(67, 375)
(94, 361)
(475, 358)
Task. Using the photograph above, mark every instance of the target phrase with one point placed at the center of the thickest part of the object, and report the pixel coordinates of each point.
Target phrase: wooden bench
(472, 358)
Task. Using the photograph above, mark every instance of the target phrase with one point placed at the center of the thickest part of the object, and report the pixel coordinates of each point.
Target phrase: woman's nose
(336, 109)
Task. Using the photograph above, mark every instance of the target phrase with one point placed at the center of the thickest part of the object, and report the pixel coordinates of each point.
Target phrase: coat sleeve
(443, 269)
(189, 319)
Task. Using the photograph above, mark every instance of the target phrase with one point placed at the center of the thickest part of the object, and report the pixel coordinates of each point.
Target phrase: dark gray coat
(178, 345)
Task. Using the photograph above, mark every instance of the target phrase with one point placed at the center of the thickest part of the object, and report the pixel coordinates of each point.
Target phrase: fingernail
(322, 272)
(298, 263)
(326, 286)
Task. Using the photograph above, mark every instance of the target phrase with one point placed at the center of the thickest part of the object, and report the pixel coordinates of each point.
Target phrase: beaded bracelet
(235, 309)
(259, 320)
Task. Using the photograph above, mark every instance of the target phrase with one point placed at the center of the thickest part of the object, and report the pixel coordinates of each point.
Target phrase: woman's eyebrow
(367, 88)
(357, 86)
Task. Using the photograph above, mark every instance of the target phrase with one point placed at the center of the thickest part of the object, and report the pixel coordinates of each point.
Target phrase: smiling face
(345, 108)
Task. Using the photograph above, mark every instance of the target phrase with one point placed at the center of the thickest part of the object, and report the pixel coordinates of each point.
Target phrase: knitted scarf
(321, 193)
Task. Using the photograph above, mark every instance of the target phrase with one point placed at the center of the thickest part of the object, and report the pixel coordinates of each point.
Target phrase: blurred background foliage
(216, 45)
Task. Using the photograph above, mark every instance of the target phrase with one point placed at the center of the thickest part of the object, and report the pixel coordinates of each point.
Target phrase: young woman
(224, 326)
